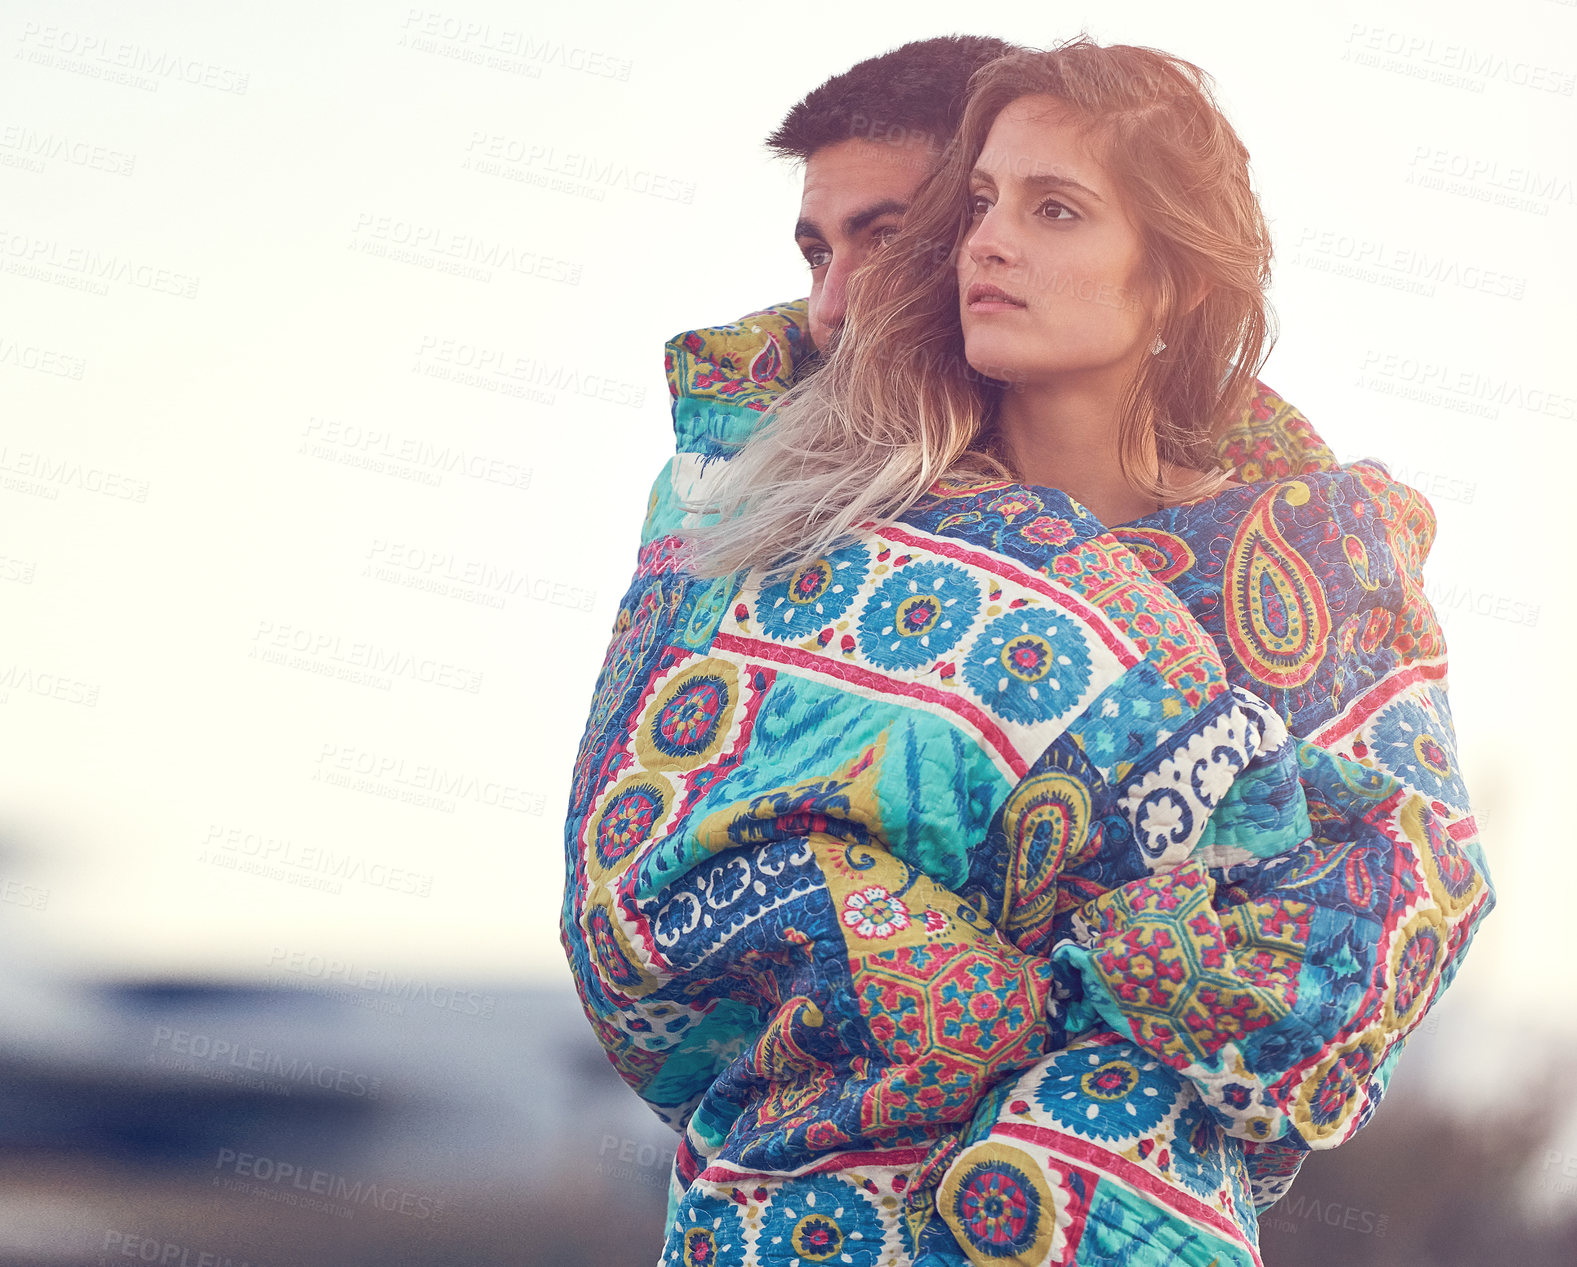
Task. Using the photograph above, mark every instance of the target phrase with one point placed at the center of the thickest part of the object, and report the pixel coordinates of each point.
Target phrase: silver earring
(1158, 346)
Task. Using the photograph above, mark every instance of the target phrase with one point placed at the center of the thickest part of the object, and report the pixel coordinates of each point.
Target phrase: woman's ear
(1193, 297)
(1176, 297)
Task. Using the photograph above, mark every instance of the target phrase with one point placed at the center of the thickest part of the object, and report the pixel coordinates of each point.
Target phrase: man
(868, 138)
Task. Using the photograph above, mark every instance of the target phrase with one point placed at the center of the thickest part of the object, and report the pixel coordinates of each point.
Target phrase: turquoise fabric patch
(1124, 1229)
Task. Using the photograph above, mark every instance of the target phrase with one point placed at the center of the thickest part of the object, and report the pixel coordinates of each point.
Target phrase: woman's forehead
(1039, 140)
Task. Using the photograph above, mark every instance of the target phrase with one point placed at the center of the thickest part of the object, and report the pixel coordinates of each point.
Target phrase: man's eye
(885, 234)
(818, 256)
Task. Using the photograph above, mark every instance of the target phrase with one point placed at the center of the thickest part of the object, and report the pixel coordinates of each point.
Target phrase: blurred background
(330, 395)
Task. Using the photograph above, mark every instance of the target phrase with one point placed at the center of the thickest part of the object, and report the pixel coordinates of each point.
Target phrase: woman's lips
(983, 298)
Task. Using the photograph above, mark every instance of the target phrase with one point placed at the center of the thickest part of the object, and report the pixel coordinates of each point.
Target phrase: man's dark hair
(915, 90)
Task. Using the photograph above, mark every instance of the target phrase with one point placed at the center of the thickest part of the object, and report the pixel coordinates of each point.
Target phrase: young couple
(1000, 835)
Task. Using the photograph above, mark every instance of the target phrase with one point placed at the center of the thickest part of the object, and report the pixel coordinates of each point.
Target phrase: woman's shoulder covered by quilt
(722, 379)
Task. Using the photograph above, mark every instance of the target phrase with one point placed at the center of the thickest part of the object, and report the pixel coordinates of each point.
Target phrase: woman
(851, 1092)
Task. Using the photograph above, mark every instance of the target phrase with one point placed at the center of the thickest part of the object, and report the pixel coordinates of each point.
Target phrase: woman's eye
(1059, 211)
(818, 257)
(978, 204)
(884, 235)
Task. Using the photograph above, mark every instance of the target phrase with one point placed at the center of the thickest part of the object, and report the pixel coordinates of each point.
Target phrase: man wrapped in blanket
(782, 789)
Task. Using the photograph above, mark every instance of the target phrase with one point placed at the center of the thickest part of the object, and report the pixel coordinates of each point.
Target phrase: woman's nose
(990, 239)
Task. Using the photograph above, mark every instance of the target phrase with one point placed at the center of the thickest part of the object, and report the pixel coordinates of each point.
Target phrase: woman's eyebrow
(1040, 182)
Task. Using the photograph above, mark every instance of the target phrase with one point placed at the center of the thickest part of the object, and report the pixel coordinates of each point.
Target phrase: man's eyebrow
(855, 223)
(1048, 181)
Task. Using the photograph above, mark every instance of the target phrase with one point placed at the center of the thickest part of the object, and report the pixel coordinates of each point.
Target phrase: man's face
(855, 195)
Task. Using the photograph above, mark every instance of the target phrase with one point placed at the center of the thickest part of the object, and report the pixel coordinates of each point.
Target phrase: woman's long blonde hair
(897, 406)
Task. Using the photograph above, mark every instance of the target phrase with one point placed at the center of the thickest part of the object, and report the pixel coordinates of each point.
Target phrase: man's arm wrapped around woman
(1282, 975)
(1310, 582)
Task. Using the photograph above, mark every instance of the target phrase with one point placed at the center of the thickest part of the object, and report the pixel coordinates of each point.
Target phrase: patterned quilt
(1002, 889)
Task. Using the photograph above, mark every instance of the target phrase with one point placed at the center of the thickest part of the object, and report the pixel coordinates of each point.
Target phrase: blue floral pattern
(707, 1233)
(820, 1220)
(812, 596)
(1025, 667)
(1108, 1093)
(1420, 749)
(917, 614)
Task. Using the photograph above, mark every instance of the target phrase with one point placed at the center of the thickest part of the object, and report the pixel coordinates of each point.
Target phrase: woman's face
(1050, 284)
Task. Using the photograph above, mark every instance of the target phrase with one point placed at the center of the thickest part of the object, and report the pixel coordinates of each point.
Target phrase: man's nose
(830, 303)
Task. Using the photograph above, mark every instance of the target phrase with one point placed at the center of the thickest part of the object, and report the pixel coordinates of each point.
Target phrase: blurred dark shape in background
(384, 1120)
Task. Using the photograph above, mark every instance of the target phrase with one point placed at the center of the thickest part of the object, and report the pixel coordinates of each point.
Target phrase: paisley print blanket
(1000, 888)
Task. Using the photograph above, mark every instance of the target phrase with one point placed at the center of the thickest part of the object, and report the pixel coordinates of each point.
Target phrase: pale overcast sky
(331, 391)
